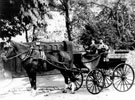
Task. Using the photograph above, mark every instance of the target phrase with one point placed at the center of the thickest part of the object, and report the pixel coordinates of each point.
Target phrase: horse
(33, 62)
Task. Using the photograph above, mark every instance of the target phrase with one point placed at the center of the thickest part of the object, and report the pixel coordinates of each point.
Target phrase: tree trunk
(26, 32)
(67, 21)
(26, 35)
(34, 35)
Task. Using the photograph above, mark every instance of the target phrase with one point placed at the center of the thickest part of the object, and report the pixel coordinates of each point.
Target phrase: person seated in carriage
(102, 47)
(97, 48)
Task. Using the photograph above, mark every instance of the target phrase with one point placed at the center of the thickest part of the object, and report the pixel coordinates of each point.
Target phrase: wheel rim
(95, 82)
(123, 77)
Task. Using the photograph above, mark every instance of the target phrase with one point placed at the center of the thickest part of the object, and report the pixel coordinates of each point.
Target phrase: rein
(10, 58)
(65, 68)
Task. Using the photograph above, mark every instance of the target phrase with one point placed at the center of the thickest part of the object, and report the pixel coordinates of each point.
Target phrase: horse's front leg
(33, 84)
(31, 72)
(65, 80)
(72, 79)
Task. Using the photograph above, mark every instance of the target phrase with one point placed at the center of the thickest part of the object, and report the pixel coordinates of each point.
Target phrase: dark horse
(35, 60)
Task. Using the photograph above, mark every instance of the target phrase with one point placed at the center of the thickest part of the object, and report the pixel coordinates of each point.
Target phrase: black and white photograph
(67, 49)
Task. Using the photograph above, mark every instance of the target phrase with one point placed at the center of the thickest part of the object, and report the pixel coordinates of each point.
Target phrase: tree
(25, 13)
(119, 19)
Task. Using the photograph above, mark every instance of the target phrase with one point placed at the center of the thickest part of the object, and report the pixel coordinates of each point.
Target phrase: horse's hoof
(64, 91)
(72, 92)
(69, 88)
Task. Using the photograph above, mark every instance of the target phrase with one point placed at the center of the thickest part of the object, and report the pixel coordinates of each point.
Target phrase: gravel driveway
(19, 89)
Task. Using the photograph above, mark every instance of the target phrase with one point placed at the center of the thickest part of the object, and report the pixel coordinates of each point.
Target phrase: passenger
(102, 46)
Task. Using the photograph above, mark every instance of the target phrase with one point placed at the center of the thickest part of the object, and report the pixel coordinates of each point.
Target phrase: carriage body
(110, 65)
(107, 60)
(112, 59)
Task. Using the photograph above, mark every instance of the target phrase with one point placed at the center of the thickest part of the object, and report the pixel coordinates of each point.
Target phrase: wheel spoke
(119, 73)
(126, 84)
(107, 81)
(118, 83)
(77, 83)
(96, 89)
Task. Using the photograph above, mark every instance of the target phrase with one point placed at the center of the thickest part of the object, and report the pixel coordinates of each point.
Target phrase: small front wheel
(95, 82)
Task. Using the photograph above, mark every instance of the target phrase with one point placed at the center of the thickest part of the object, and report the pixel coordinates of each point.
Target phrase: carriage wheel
(95, 82)
(107, 74)
(123, 77)
(79, 78)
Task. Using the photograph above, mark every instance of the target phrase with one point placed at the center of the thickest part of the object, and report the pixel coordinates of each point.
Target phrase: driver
(93, 47)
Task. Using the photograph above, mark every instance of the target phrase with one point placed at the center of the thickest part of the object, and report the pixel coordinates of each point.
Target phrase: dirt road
(19, 89)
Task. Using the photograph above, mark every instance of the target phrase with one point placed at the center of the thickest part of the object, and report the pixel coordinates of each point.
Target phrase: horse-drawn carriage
(102, 69)
(108, 68)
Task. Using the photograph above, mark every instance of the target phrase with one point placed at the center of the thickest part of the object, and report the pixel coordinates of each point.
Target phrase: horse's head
(7, 47)
(12, 49)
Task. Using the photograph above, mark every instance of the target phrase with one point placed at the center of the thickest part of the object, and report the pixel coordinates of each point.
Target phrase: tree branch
(101, 5)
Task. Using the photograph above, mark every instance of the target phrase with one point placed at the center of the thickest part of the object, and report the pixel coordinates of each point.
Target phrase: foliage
(9, 28)
(113, 24)
(29, 13)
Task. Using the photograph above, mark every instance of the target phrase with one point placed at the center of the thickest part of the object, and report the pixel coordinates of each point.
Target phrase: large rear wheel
(123, 77)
